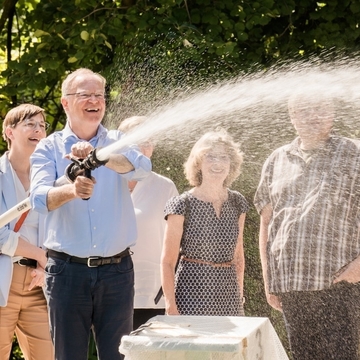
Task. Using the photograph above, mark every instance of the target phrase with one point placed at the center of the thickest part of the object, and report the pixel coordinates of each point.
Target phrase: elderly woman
(204, 232)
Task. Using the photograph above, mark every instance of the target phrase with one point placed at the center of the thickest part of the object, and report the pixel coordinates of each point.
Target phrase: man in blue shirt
(90, 280)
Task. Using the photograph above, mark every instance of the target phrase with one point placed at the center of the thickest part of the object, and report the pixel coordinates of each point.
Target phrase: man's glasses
(87, 96)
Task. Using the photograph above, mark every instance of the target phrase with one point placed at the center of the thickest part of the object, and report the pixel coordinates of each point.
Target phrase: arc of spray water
(158, 123)
(340, 80)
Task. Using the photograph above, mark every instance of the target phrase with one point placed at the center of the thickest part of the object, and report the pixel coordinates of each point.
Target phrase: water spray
(245, 101)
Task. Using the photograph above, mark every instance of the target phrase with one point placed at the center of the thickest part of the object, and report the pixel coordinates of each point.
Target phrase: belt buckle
(19, 261)
(89, 261)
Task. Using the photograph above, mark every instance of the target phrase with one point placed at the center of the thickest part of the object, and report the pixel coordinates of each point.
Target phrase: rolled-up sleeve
(141, 163)
(9, 246)
(43, 176)
(8, 238)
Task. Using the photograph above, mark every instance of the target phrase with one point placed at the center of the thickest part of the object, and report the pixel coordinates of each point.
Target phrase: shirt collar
(68, 134)
(294, 147)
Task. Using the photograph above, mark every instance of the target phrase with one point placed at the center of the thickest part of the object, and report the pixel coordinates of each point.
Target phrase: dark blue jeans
(81, 298)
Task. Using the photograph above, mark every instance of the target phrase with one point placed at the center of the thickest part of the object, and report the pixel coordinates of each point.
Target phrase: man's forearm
(119, 163)
(263, 258)
(265, 218)
(59, 196)
(350, 272)
(30, 251)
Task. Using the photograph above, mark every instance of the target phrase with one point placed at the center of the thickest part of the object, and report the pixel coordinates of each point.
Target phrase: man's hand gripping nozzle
(83, 166)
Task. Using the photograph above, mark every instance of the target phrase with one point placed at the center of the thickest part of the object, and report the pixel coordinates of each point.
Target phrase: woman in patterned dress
(205, 226)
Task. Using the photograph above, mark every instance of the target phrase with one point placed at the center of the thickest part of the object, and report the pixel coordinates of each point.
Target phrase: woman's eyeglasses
(32, 124)
(217, 157)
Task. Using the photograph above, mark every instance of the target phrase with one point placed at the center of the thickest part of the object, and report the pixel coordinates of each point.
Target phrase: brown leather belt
(204, 262)
(92, 261)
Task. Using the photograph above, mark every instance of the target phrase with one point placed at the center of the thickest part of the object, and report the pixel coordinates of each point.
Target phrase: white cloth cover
(203, 337)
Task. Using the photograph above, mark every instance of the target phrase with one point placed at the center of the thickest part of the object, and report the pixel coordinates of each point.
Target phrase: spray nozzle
(84, 166)
(92, 162)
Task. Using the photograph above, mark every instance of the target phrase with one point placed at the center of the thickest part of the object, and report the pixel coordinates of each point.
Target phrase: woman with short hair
(23, 308)
(204, 233)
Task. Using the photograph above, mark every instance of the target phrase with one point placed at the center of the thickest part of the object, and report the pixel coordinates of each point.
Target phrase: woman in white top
(23, 307)
(149, 197)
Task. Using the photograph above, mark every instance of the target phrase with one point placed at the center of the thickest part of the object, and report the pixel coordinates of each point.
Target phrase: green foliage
(49, 39)
(92, 349)
(16, 353)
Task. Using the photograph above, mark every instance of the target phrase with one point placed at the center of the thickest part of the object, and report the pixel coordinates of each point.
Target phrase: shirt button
(94, 246)
(94, 227)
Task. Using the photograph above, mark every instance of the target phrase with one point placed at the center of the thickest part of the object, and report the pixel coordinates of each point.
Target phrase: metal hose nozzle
(84, 166)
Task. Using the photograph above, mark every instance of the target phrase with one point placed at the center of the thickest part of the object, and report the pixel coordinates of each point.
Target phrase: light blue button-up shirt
(105, 224)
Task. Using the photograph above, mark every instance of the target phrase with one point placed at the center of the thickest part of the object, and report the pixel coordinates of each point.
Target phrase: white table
(203, 338)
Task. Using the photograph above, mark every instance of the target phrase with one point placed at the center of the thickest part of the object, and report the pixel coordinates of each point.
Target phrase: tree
(42, 41)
